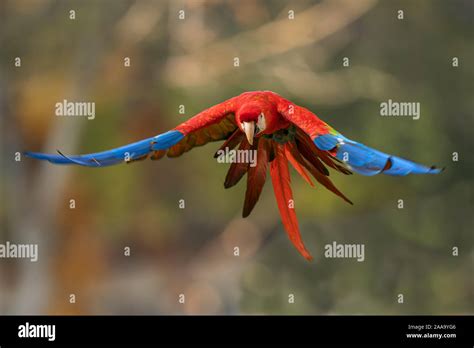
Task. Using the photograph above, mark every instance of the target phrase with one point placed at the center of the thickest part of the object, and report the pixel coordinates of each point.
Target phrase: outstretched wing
(356, 156)
(215, 123)
(220, 130)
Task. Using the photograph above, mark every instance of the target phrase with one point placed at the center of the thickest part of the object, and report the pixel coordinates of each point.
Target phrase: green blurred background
(190, 251)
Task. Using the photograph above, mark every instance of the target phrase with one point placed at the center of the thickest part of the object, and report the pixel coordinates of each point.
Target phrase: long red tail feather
(284, 197)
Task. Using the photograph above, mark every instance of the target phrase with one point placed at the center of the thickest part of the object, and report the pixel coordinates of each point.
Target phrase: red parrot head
(255, 119)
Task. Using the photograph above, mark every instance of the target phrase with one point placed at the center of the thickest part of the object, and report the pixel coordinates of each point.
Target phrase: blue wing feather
(367, 161)
(120, 154)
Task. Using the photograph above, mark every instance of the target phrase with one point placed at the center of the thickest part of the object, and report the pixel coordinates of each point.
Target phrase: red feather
(301, 117)
(237, 170)
(325, 181)
(210, 116)
(256, 176)
(231, 141)
(311, 152)
(295, 159)
(281, 186)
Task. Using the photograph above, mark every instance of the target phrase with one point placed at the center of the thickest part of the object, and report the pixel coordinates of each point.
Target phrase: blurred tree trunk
(36, 198)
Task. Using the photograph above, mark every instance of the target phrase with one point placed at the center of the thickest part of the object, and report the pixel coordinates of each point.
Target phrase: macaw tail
(367, 161)
(280, 175)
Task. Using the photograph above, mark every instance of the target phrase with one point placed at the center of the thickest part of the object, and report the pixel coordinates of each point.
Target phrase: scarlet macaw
(280, 131)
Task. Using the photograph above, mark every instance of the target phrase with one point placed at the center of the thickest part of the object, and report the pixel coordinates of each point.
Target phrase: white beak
(249, 130)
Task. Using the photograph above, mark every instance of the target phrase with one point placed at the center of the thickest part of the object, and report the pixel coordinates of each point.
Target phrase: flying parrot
(280, 132)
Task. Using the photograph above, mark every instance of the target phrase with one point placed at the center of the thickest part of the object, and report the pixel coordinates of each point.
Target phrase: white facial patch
(261, 123)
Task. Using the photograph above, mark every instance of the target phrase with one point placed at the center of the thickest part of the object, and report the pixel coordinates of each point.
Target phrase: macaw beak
(249, 130)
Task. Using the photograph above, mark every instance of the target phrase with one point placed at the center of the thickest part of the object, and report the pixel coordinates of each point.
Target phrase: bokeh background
(190, 251)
